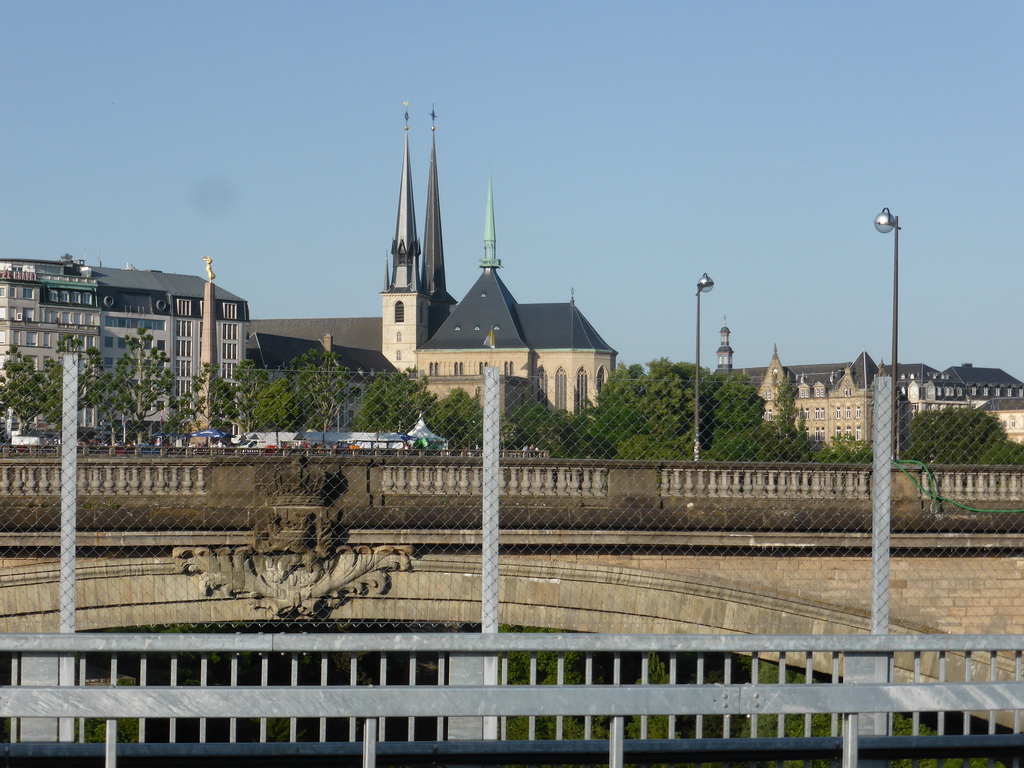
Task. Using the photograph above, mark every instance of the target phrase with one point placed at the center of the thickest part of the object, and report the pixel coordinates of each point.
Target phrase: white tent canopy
(421, 430)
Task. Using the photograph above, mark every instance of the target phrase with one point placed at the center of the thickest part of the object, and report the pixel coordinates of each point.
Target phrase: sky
(632, 147)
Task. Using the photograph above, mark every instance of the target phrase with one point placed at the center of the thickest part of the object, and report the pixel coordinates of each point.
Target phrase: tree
(458, 418)
(24, 389)
(250, 382)
(955, 436)
(277, 408)
(137, 387)
(392, 402)
(90, 368)
(322, 384)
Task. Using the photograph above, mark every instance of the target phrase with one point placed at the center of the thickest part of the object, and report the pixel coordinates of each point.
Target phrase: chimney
(328, 342)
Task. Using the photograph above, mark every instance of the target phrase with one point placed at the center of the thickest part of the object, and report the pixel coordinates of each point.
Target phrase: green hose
(933, 493)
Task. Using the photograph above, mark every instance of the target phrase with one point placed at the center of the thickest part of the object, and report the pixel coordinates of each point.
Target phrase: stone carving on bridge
(290, 585)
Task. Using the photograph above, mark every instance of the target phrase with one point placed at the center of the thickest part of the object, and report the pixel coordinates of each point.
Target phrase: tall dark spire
(405, 248)
(433, 245)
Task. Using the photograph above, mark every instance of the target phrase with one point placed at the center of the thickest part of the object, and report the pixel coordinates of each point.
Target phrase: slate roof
(983, 377)
(489, 304)
(356, 340)
(1004, 404)
(156, 280)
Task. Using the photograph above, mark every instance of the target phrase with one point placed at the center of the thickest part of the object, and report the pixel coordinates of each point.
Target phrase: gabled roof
(488, 305)
(559, 326)
(356, 341)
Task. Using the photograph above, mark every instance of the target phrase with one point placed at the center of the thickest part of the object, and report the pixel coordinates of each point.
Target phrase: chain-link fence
(317, 497)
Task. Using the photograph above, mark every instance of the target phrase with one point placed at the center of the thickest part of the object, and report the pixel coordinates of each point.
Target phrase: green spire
(489, 259)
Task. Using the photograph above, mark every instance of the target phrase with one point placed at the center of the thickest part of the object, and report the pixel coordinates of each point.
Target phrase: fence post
(874, 667)
(881, 504)
(474, 669)
(68, 524)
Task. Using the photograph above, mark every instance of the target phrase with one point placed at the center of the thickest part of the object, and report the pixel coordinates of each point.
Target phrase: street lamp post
(885, 223)
(704, 285)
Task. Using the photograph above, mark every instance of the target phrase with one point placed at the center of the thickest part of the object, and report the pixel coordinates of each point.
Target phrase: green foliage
(322, 386)
(845, 450)
(140, 384)
(24, 389)
(392, 403)
(277, 407)
(459, 418)
(957, 436)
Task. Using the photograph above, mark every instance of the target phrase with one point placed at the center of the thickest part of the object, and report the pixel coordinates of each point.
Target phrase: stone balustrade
(31, 478)
(520, 480)
(766, 482)
(416, 476)
(981, 484)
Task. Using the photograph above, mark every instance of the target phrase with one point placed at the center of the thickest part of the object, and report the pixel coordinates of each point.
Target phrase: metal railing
(625, 693)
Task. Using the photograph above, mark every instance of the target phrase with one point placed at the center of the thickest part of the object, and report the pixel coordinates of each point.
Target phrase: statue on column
(209, 269)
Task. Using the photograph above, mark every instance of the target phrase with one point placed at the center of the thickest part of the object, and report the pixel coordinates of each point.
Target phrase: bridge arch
(129, 592)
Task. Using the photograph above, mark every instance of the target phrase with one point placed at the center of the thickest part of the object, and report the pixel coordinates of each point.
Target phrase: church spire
(433, 281)
(405, 248)
(490, 258)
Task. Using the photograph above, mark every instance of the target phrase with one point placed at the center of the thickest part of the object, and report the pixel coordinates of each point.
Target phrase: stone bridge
(586, 545)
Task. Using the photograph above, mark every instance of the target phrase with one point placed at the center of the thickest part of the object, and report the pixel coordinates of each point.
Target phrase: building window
(839, 413)
(398, 354)
(819, 434)
(542, 385)
(28, 293)
(847, 411)
(230, 311)
(599, 380)
(858, 411)
(858, 432)
(230, 331)
(460, 369)
(227, 370)
(839, 431)
(31, 339)
(582, 396)
(398, 337)
(819, 390)
(229, 350)
(399, 312)
(183, 306)
(561, 390)
(183, 327)
(182, 348)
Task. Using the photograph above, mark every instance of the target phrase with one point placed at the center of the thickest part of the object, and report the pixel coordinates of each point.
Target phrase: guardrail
(673, 694)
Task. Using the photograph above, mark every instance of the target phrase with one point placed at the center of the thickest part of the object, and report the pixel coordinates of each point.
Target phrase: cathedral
(547, 353)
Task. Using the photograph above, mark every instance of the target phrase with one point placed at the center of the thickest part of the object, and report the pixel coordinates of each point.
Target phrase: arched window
(398, 354)
(399, 312)
(580, 395)
(542, 385)
(481, 371)
(398, 337)
(599, 383)
(561, 390)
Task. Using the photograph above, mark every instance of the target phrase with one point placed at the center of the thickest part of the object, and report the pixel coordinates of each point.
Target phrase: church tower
(404, 320)
(440, 302)
(724, 351)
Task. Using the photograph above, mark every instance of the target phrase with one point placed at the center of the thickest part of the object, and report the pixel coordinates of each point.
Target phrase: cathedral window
(542, 385)
(398, 354)
(399, 312)
(581, 395)
(561, 390)
(398, 337)
(599, 383)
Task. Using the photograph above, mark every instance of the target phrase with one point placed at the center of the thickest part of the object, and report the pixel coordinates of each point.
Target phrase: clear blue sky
(633, 147)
